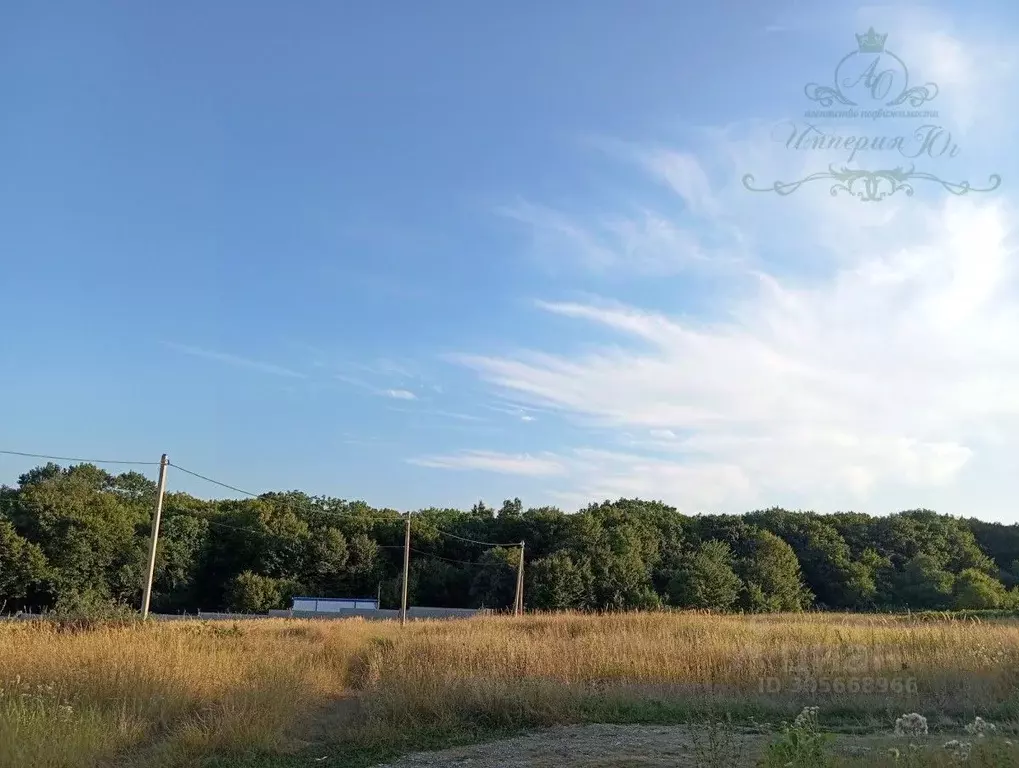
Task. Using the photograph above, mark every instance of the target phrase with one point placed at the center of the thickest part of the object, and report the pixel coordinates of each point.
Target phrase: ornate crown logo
(871, 42)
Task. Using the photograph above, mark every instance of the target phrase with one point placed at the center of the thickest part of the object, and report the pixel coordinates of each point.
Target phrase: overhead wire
(446, 559)
(80, 461)
(476, 541)
(251, 494)
(432, 554)
(318, 510)
(214, 482)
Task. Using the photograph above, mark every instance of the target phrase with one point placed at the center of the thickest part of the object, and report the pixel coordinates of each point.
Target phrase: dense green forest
(81, 534)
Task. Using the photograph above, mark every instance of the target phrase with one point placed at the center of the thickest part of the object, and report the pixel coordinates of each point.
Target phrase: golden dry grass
(167, 693)
(181, 689)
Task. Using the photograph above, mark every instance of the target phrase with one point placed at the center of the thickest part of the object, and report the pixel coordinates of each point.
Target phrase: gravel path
(599, 746)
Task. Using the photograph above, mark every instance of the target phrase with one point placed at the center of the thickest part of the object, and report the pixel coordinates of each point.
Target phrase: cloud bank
(859, 353)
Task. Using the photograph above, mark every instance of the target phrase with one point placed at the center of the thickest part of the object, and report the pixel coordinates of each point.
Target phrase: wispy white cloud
(235, 360)
(684, 174)
(353, 381)
(865, 353)
(519, 412)
(883, 374)
(440, 413)
(455, 415)
(973, 68)
(388, 367)
(400, 394)
(493, 461)
(395, 394)
(584, 475)
(644, 243)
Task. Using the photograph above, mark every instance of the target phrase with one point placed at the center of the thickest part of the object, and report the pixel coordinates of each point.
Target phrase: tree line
(80, 534)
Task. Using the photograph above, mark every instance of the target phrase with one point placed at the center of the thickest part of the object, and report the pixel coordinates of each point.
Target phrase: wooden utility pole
(518, 603)
(160, 490)
(406, 572)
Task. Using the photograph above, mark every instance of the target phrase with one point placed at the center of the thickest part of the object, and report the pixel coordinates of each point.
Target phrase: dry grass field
(287, 692)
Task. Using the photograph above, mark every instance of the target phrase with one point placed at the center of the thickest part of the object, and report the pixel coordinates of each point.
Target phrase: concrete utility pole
(161, 489)
(518, 603)
(406, 572)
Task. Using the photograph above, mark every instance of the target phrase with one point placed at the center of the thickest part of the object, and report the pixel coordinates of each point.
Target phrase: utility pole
(406, 572)
(160, 490)
(518, 603)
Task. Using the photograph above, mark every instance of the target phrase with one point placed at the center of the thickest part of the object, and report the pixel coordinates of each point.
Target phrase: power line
(80, 461)
(476, 541)
(289, 501)
(231, 527)
(319, 510)
(171, 510)
(214, 482)
(430, 554)
(447, 559)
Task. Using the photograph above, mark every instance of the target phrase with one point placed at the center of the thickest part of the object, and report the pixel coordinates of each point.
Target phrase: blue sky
(425, 254)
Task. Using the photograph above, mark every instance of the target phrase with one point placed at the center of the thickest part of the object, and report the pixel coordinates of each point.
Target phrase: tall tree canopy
(81, 533)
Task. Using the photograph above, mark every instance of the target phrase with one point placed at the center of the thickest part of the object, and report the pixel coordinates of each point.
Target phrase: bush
(801, 745)
(253, 593)
(974, 589)
(83, 611)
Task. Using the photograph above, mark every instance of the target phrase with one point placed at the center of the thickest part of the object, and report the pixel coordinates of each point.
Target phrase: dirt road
(642, 746)
(599, 746)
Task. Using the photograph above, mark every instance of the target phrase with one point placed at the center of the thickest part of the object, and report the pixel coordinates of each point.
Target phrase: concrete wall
(383, 614)
(412, 613)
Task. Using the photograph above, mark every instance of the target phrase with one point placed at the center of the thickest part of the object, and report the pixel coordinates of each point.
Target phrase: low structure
(381, 614)
(334, 604)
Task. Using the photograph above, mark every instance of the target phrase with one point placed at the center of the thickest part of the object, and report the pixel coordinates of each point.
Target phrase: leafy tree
(622, 545)
(494, 584)
(974, 589)
(707, 579)
(1000, 543)
(545, 529)
(81, 534)
(23, 569)
(557, 583)
(253, 593)
(325, 561)
(772, 580)
(87, 531)
(923, 584)
(182, 540)
(364, 569)
(511, 508)
(826, 559)
(436, 582)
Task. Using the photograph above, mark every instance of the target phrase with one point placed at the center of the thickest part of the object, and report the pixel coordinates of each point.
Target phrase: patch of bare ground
(595, 746)
(657, 746)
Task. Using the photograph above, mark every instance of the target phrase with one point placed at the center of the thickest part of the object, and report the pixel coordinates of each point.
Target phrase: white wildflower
(807, 718)
(913, 724)
(958, 749)
(980, 728)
